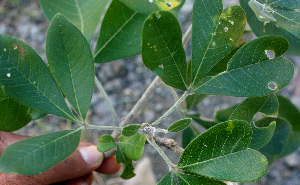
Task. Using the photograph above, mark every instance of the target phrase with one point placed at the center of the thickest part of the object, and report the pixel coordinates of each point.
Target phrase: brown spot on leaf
(16, 46)
(22, 52)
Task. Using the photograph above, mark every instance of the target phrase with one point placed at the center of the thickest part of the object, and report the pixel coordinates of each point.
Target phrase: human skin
(77, 169)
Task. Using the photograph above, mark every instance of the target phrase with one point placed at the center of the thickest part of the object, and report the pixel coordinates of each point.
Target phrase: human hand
(75, 170)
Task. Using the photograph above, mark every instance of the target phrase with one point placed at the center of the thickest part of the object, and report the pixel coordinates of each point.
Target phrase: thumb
(83, 161)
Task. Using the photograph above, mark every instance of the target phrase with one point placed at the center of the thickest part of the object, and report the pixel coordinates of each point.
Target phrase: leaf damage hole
(270, 54)
(272, 85)
(8, 75)
(4, 49)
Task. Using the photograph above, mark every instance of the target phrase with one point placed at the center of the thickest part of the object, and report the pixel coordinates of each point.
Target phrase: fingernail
(91, 155)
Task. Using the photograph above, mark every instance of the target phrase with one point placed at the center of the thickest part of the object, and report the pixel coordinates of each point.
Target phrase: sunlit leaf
(215, 34)
(71, 63)
(106, 143)
(133, 146)
(84, 14)
(148, 6)
(128, 171)
(37, 154)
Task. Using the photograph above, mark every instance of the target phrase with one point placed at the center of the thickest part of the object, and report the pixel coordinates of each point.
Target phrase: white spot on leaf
(231, 22)
(4, 49)
(8, 75)
(226, 29)
(270, 54)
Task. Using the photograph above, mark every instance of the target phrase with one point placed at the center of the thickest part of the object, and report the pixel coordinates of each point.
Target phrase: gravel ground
(125, 81)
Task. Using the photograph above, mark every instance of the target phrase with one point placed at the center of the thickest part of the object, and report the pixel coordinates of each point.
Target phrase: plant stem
(161, 153)
(139, 105)
(181, 99)
(102, 127)
(176, 98)
(110, 106)
(186, 37)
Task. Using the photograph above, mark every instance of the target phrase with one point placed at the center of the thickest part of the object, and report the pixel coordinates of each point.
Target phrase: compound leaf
(221, 152)
(133, 146)
(215, 34)
(84, 14)
(106, 143)
(27, 79)
(14, 115)
(162, 49)
(120, 34)
(37, 154)
(71, 63)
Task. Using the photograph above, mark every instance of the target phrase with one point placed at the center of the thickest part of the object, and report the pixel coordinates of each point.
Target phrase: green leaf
(162, 49)
(106, 143)
(27, 79)
(224, 114)
(193, 100)
(180, 125)
(128, 171)
(190, 179)
(271, 28)
(188, 135)
(37, 154)
(214, 31)
(130, 130)
(291, 113)
(71, 63)
(14, 115)
(133, 146)
(268, 105)
(204, 123)
(84, 14)
(252, 80)
(221, 152)
(148, 6)
(120, 34)
(168, 179)
(288, 19)
(276, 145)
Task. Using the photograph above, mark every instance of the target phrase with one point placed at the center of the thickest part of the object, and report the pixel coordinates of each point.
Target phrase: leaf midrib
(37, 87)
(114, 35)
(42, 146)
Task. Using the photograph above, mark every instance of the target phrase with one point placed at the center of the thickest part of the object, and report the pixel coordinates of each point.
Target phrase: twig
(186, 37)
(139, 105)
(150, 140)
(181, 99)
(110, 106)
(169, 143)
(176, 98)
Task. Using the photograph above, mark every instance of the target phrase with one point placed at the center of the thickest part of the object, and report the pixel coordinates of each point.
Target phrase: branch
(168, 143)
(139, 105)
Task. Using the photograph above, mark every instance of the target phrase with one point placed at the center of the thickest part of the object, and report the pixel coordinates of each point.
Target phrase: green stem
(102, 127)
(110, 106)
(181, 99)
(161, 153)
(176, 98)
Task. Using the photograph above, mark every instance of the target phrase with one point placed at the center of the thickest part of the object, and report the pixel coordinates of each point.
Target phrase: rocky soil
(125, 81)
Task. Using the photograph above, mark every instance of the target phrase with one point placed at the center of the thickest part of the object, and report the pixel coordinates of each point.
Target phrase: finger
(7, 138)
(85, 180)
(109, 166)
